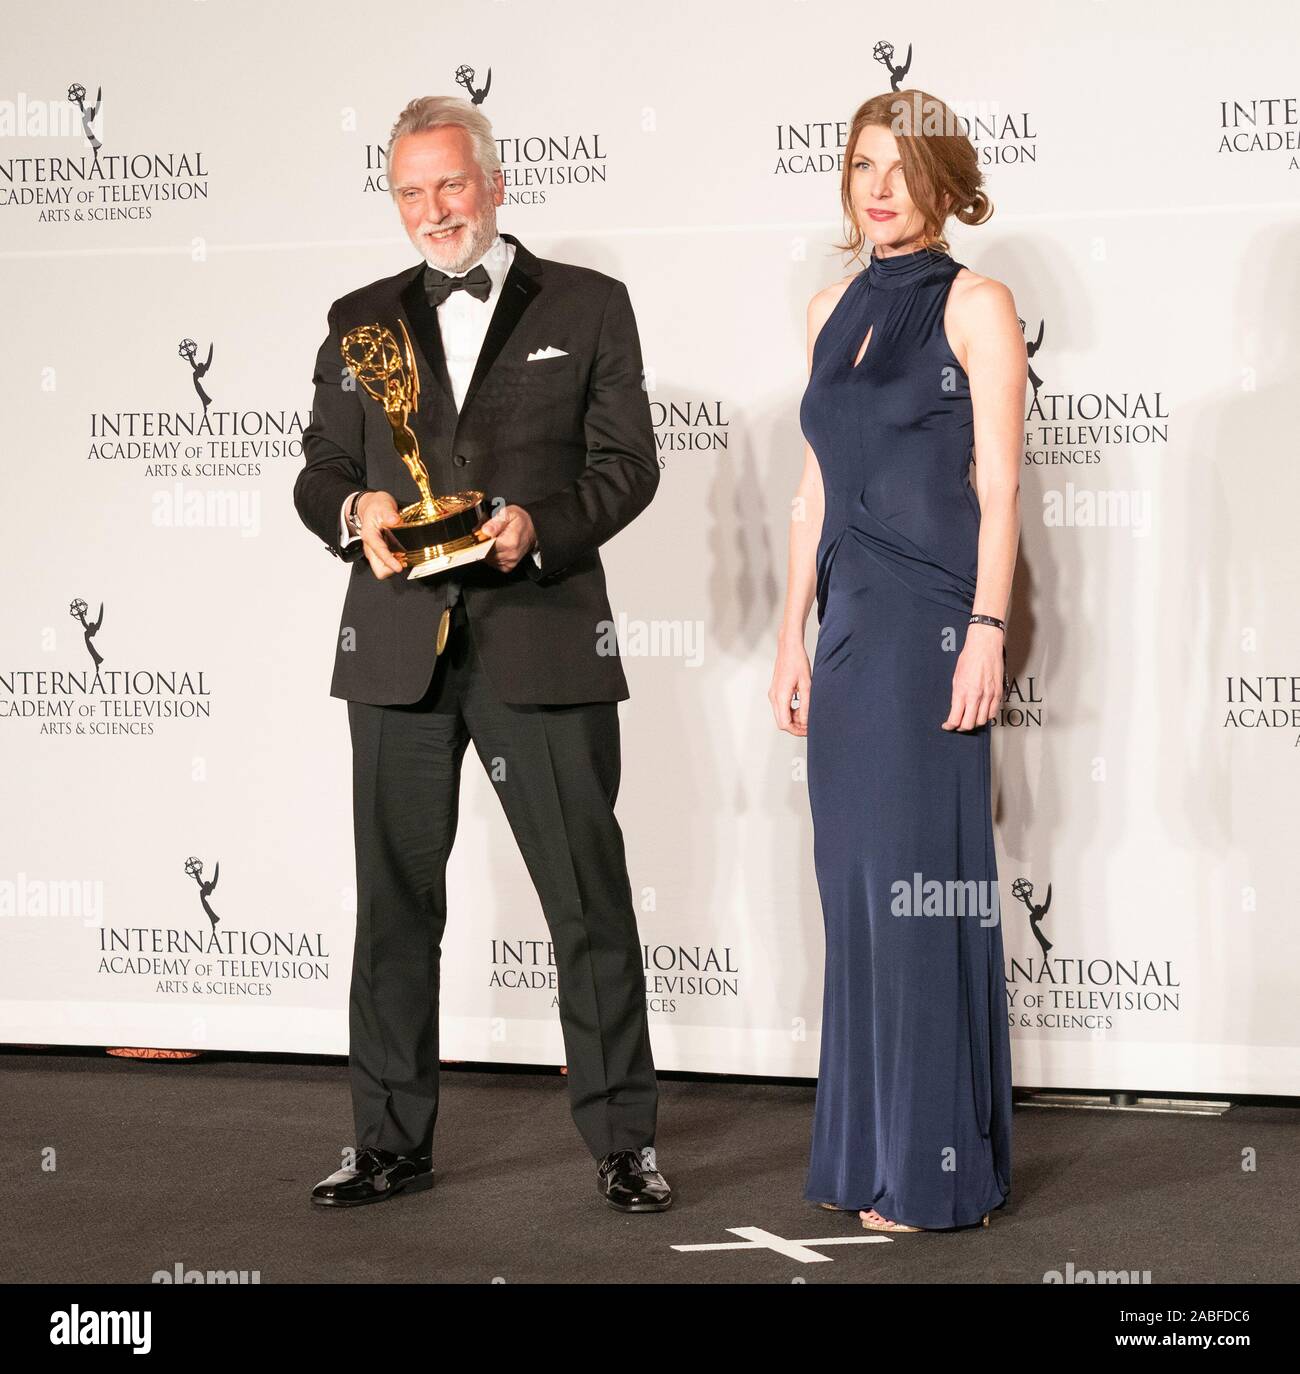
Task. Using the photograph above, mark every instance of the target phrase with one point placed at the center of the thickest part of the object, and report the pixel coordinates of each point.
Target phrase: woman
(917, 364)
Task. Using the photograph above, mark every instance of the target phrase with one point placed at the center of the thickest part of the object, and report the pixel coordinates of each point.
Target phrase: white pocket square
(546, 353)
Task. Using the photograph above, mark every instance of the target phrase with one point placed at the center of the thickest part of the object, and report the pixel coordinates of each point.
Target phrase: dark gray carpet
(209, 1164)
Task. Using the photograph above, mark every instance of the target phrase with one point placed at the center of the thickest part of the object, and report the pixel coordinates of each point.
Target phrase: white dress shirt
(463, 323)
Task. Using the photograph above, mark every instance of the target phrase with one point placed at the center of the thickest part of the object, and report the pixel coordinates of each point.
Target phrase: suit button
(460, 460)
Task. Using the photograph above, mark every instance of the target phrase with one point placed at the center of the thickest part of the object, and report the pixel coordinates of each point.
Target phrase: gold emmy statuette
(436, 532)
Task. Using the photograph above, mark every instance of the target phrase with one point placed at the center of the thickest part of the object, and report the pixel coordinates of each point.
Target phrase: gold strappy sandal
(886, 1225)
(898, 1225)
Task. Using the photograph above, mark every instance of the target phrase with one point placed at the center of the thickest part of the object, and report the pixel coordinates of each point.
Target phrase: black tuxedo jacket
(567, 438)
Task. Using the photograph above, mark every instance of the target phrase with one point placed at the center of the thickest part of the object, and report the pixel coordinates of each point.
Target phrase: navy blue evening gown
(913, 1113)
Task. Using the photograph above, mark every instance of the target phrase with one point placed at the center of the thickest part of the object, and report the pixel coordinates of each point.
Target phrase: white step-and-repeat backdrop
(184, 189)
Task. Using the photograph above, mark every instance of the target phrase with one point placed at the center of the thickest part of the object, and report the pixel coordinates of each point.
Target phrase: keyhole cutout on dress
(862, 351)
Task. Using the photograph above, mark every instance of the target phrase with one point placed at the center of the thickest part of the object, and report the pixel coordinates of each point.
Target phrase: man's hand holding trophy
(434, 533)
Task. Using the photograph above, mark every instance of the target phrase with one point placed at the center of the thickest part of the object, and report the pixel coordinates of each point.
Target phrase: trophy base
(429, 540)
(441, 557)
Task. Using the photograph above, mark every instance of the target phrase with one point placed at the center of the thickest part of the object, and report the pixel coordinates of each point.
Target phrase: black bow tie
(438, 285)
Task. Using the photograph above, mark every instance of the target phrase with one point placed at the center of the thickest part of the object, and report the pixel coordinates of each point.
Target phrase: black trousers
(556, 770)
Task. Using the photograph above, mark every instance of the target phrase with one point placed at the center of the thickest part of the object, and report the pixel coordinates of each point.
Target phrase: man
(530, 391)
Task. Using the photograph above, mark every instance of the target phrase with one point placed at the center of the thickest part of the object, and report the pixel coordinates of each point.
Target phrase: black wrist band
(351, 516)
(989, 620)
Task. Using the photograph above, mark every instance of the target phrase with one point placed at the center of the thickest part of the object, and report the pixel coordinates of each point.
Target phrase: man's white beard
(477, 246)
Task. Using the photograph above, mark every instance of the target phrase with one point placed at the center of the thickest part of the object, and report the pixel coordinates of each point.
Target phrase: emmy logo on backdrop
(465, 77)
(194, 867)
(1023, 891)
(1031, 347)
(189, 350)
(435, 533)
(77, 94)
(78, 611)
(883, 52)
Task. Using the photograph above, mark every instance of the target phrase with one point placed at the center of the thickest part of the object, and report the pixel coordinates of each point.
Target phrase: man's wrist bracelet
(989, 620)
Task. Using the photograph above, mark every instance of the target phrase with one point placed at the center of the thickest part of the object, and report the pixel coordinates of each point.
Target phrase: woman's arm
(792, 675)
(986, 328)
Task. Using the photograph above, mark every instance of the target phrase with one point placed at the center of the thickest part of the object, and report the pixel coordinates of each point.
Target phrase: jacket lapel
(422, 325)
(522, 283)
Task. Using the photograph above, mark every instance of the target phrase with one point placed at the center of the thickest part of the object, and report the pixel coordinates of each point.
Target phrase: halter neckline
(903, 269)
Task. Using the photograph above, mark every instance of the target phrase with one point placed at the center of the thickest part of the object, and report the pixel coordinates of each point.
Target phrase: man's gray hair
(439, 112)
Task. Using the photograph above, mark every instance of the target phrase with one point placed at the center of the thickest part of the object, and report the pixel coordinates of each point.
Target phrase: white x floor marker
(755, 1238)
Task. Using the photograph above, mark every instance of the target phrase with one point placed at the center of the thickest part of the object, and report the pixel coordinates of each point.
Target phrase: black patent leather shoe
(630, 1180)
(378, 1175)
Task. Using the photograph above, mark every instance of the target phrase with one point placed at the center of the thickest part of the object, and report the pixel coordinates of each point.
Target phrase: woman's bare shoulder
(981, 310)
(821, 305)
(976, 296)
